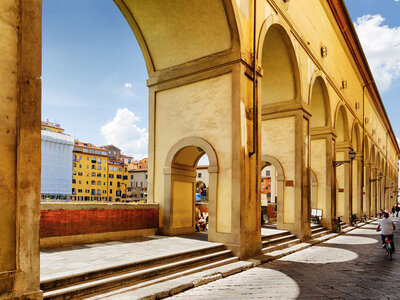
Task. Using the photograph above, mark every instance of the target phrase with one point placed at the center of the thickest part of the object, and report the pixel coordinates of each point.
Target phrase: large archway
(356, 195)
(280, 204)
(280, 93)
(322, 143)
(180, 186)
(343, 172)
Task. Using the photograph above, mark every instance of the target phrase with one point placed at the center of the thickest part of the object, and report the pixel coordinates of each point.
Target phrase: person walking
(397, 210)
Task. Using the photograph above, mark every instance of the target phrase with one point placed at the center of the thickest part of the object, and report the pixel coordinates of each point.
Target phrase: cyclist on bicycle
(387, 227)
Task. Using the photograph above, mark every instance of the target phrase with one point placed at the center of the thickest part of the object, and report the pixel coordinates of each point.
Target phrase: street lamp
(352, 155)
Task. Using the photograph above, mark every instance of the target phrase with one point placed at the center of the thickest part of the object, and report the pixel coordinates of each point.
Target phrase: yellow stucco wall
(278, 141)
(182, 204)
(200, 109)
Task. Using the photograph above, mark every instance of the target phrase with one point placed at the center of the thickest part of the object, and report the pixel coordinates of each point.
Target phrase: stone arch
(214, 20)
(342, 124)
(277, 57)
(319, 101)
(180, 174)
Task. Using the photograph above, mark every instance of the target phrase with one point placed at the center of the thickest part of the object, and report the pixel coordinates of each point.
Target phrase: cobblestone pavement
(351, 266)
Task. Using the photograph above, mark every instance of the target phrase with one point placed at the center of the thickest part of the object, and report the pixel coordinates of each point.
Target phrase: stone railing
(63, 224)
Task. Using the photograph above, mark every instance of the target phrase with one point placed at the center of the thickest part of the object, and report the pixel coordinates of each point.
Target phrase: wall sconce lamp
(352, 155)
(376, 179)
(389, 187)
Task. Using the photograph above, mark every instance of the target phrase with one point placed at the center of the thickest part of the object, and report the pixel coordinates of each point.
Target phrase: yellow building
(89, 173)
(117, 181)
(49, 126)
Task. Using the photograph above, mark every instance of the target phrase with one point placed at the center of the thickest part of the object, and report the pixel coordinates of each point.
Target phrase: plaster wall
(318, 164)
(198, 109)
(282, 148)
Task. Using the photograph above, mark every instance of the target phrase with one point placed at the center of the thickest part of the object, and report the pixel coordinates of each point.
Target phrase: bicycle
(388, 247)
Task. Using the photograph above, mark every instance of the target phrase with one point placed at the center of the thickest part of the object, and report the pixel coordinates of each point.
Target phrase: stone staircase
(284, 243)
(215, 259)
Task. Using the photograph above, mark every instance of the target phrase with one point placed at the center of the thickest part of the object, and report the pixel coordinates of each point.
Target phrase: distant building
(114, 153)
(126, 159)
(137, 188)
(202, 182)
(139, 165)
(97, 176)
(56, 175)
(90, 173)
(268, 185)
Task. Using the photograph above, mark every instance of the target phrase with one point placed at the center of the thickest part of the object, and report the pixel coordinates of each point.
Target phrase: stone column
(20, 110)
(343, 174)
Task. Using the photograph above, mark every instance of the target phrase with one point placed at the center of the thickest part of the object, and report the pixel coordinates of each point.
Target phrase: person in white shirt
(386, 226)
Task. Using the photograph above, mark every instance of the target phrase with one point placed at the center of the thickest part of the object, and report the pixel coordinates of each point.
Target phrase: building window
(73, 172)
(199, 175)
(125, 177)
(99, 160)
(79, 191)
(118, 193)
(93, 192)
(87, 191)
(118, 184)
(87, 167)
(80, 166)
(74, 180)
(92, 151)
(118, 176)
(268, 173)
(104, 191)
(98, 192)
(131, 176)
(98, 182)
(85, 150)
(111, 169)
(104, 183)
(110, 191)
(79, 182)
(73, 191)
(93, 167)
(74, 164)
(93, 182)
(110, 182)
(93, 174)
(98, 174)
(98, 167)
(115, 152)
(120, 169)
(110, 175)
(146, 176)
(104, 161)
(80, 173)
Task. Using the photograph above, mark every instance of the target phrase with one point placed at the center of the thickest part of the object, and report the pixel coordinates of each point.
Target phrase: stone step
(278, 240)
(136, 276)
(64, 281)
(169, 285)
(281, 246)
(320, 233)
(275, 235)
(317, 229)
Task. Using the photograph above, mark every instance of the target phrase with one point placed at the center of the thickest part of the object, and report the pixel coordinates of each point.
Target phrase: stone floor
(73, 260)
(351, 266)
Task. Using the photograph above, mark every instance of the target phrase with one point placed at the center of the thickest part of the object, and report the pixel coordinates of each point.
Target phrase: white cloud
(128, 85)
(381, 44)
(124, 133)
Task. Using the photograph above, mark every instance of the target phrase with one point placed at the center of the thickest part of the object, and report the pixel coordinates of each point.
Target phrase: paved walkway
(74, 260)
(351, 266)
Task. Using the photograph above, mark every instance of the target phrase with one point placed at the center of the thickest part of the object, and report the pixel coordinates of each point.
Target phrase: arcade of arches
(310, 105)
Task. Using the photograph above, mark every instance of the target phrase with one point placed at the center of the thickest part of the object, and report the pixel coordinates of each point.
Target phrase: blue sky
(94, 75)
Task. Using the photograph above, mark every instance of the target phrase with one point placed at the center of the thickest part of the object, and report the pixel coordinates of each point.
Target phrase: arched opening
(273, 193)
(280, 86)
(268, 194)
(319, 104)
(182, 213)
(321, 150)
(279, 81)
(356, 197)
(342, 172)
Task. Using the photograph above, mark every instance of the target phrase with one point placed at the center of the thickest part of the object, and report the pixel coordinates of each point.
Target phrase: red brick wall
(55, 223)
